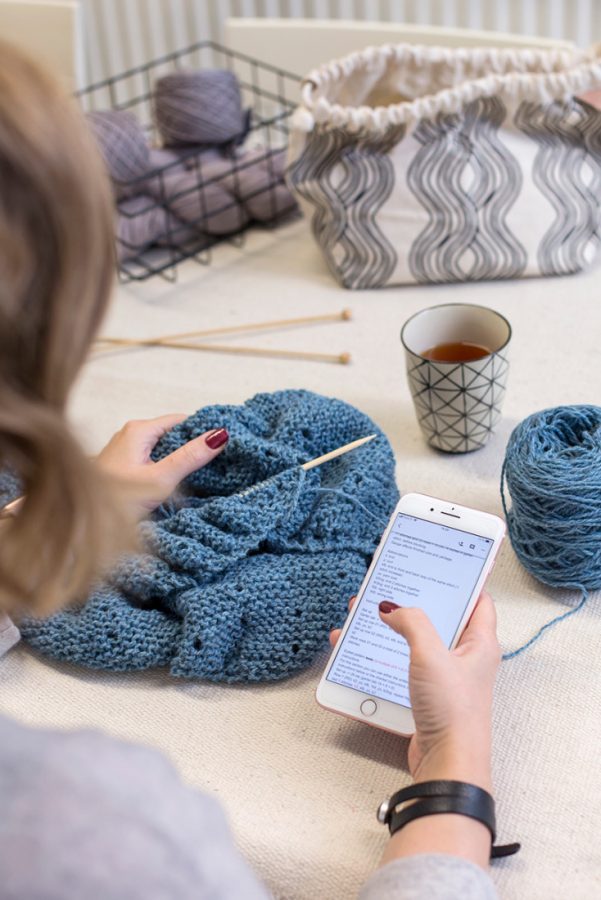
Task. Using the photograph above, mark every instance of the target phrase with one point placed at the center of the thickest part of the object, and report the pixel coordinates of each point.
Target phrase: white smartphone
(435, 555)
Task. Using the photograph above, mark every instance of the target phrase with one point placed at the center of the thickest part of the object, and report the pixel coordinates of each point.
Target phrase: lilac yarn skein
(123, 145)
(199, 107)
(143, 222)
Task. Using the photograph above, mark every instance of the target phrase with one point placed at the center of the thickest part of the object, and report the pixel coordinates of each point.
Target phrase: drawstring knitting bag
(245, 573)
(432, 164)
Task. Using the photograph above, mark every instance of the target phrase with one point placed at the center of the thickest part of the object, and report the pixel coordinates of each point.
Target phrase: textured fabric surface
(254, 563)
(432, 876)
(300, 785)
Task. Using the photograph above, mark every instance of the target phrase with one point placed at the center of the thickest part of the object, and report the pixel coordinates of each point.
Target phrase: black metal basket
(267, 94)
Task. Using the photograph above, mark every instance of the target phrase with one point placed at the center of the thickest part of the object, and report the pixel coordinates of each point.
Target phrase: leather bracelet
(438, 797)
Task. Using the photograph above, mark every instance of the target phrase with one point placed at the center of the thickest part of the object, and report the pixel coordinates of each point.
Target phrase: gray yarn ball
(255, 179)
(261, 189)
(199, 107)
(211, 208)
(166, 161)
(123, 146)
(143, 222)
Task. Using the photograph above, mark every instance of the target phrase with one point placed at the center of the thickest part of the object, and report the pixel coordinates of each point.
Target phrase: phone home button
(368, 707)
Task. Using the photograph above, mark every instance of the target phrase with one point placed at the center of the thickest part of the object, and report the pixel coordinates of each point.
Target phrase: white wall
(120, 33)
(49, 31)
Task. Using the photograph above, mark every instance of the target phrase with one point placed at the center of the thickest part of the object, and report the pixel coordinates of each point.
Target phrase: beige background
(301, 785)
(50, 31)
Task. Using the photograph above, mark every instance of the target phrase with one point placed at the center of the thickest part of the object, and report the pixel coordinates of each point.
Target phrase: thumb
(414, 625)
(192, 456)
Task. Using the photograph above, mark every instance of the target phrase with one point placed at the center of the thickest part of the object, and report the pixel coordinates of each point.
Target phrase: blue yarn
(247, 571)
(10, 488)
(552, 471)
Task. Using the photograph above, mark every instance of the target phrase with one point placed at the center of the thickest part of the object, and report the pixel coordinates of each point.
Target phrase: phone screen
(435, 567)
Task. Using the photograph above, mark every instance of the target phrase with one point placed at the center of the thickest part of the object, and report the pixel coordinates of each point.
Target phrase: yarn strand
(511, 654)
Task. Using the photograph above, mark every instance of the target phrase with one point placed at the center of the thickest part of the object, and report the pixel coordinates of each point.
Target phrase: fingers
(482, 626)
(414, 625)
(484, 616)
(139, 436)
(161, 424)
(150, 430)
(192, 456)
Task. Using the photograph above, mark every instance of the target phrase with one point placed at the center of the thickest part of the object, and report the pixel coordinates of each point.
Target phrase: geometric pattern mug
(457, 403)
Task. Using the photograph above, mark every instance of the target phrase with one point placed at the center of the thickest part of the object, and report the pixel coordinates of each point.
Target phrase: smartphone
(435, 555)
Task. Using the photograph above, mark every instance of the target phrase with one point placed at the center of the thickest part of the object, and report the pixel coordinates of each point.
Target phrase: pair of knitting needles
(184, 340)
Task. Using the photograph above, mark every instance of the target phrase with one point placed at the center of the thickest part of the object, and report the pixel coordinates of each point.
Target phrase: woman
(84, 816)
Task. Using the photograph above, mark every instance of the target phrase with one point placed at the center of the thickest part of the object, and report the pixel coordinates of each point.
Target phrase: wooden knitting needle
(339, 452)
(344, 316)
(341, 358)
(11, 508)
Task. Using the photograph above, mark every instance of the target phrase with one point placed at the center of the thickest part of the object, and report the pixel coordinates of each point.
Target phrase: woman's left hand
(126, 458)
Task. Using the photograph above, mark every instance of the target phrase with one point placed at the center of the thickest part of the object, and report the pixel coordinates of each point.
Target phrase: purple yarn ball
(199, 107)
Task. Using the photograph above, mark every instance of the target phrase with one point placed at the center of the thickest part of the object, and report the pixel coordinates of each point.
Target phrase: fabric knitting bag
(430, 164)
(244, 574)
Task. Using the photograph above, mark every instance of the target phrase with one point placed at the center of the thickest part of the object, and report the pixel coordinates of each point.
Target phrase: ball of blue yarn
(552, 471)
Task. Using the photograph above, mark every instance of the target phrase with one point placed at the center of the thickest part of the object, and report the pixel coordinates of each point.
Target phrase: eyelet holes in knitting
(197, 644)
(306, 433)
(295, 648)
(298, 613)
(342, 574)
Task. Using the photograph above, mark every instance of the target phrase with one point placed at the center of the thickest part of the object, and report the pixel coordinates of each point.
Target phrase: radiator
(118, 34)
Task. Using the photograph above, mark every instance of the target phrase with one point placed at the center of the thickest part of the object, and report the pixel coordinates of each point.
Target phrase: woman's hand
(126, 458)
(451, 699)
(451, 693)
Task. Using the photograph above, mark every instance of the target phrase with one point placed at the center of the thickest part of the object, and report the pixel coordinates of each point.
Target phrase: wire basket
(220, 193)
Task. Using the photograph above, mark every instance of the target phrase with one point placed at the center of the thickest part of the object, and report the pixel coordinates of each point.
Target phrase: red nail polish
(387, 606)
(217, 438)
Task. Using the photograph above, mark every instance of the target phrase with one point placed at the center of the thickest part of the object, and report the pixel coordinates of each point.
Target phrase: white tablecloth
(300, 784)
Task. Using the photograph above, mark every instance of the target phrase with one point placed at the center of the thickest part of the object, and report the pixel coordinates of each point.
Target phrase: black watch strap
(438, 797)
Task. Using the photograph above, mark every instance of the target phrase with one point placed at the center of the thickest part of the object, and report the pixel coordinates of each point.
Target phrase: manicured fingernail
(217, 438)
(387, 606)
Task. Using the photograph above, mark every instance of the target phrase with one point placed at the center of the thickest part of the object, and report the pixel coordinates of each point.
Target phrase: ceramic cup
(458, 404)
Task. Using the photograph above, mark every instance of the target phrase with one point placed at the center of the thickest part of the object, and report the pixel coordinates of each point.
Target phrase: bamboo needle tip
(344, 358)
(346, 314)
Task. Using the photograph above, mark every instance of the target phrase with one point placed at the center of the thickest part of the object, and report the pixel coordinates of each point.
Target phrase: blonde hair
(56, 272)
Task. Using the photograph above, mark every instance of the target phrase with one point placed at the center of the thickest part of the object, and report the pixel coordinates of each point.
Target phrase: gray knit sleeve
(109, 820)
(429, 876)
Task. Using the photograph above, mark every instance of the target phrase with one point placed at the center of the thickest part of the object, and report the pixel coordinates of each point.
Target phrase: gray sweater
(86, 816)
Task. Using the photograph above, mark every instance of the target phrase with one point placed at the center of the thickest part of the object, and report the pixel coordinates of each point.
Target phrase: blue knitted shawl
(246, 571)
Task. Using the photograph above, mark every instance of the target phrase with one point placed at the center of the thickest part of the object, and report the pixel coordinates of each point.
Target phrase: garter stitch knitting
(247, 571)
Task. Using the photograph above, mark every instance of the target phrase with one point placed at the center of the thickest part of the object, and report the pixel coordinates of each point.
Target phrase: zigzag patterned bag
(429, 164)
